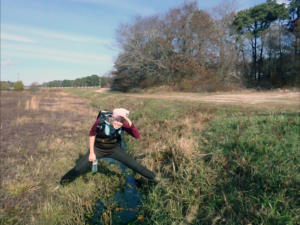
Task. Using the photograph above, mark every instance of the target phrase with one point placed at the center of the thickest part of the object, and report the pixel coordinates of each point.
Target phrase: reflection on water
(128, 201)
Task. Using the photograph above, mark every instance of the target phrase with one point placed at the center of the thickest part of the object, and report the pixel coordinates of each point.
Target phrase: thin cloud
(56, 35)
(11, 37)
(8, 62)
(60, 58)
(53, 54)
(120, 4)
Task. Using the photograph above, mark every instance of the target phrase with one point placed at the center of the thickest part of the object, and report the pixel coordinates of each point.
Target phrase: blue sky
(45, 40)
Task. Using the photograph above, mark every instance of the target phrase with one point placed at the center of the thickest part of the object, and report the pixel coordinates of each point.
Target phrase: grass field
(221, 163)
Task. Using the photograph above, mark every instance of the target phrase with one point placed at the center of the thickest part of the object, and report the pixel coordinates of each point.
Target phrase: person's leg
(80, 167)
(122, 156)
(77, 170)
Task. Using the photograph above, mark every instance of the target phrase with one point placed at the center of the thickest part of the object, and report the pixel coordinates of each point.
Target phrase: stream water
(128, 201)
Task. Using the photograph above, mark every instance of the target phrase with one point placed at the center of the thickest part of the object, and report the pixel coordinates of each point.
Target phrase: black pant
(117, 154)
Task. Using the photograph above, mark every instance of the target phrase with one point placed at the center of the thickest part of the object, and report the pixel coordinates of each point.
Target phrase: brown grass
(22, 120)
(42, 137)
(272, 99)
(17, 188)
(174, 146)
(32, 104)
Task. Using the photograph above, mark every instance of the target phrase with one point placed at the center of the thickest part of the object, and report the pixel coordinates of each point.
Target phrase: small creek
(128, 200)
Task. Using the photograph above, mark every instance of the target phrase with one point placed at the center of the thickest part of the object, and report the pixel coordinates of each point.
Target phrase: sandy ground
(286, 99)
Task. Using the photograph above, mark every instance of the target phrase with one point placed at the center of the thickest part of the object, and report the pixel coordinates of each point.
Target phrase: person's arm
(132, 130)
(92, 135)
(128, 121)
(92, 155)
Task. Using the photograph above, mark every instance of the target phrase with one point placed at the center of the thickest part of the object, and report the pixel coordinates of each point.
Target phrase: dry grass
(32, 104)
(22, 120)
(17, 188)
(274, 99)
(40, 146)
(174, 148)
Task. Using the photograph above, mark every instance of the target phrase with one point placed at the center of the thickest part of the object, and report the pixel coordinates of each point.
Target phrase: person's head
(116, 122)
(118, 117)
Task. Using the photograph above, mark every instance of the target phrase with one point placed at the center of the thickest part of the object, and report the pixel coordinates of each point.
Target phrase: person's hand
(127, 119)
(92, 157)
(122, 114)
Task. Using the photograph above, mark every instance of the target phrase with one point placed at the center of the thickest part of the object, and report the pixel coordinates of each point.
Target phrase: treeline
(7, 84)
(89, 81)
(93, 80)
(209, 50)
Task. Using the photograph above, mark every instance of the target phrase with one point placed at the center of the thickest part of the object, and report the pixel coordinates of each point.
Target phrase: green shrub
(4, 86)
(19, 86)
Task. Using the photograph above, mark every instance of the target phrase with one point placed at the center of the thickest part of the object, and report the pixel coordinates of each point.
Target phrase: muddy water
(128, 201)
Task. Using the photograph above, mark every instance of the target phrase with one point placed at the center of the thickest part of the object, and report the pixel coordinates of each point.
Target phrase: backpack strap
(101, 124)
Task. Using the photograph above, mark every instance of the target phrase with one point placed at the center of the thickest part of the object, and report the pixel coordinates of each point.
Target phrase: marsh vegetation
(220, 163)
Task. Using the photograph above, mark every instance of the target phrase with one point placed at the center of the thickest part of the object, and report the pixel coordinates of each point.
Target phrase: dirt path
(277, 98)
(103, 90)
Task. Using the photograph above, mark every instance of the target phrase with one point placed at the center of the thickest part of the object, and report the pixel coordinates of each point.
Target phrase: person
(103, 142)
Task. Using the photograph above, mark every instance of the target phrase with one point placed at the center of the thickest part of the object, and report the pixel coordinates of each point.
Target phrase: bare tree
(169, 47)
(34, 87)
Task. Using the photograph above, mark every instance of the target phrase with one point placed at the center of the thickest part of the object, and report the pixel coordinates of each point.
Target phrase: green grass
(257, 166)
